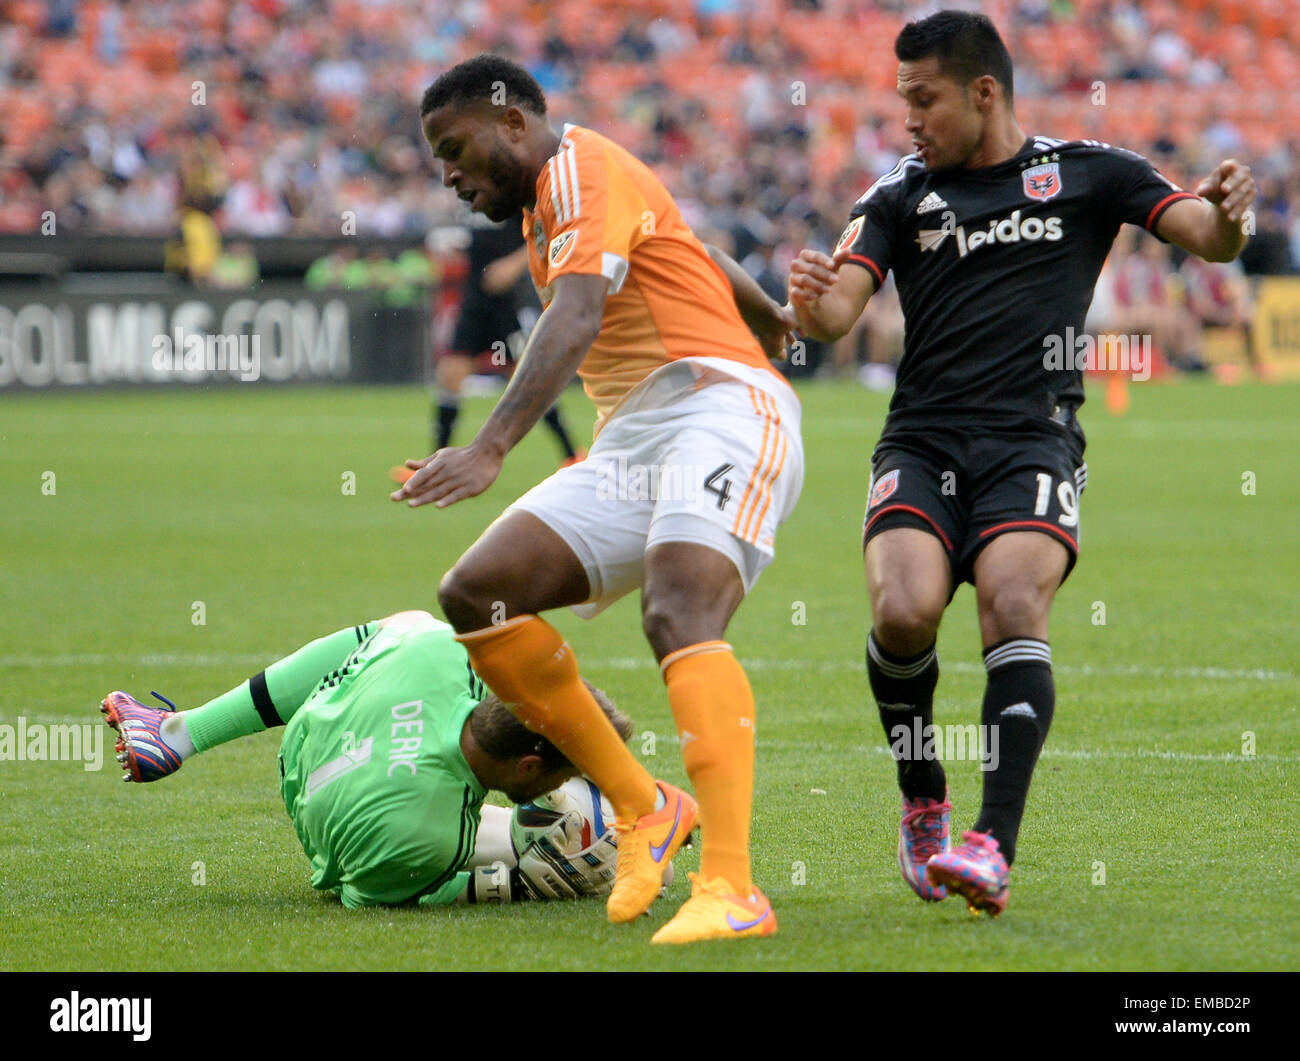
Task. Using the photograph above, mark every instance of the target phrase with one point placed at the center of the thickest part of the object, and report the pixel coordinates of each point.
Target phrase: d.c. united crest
(1043, 182)
(882, 488)
(850, 234)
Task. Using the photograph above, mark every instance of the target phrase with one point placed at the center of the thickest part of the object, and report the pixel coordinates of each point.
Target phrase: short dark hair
(483, 78)
(502, 736)
(967, 46)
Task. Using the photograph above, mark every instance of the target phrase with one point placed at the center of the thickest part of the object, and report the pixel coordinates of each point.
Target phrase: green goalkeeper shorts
(372, 773)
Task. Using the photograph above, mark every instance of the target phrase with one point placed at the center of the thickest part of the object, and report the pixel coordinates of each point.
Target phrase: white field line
(1085, 754)
(1111, 754)
(965, 667)
(184, 659)
(91, 717)
(166, 659)
(1087, 670)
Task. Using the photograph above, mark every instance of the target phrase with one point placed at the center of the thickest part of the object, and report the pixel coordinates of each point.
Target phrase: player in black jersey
(996, 239)
(491, 318)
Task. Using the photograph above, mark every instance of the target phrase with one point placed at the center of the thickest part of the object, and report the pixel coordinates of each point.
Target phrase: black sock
(448, 409)
(904, 691)
(1018, 704)
(554, 422)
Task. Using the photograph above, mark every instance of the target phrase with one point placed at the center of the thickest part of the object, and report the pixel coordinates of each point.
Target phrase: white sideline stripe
(1200, 430)
(1111, 754)
(1157, 753)
(1087, 670)
(962, 667)
(175, 659)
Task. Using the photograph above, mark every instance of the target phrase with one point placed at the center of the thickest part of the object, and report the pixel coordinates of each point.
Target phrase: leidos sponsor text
(1006, 230)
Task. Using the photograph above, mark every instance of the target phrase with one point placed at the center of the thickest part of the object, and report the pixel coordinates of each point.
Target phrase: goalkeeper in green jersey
(391, 743)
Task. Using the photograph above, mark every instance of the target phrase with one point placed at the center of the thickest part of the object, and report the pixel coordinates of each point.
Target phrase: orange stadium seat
(29, 13)
(844, 54)
(1233, 12)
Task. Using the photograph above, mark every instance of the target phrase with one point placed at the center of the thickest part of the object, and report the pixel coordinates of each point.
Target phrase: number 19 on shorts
(1065, 496)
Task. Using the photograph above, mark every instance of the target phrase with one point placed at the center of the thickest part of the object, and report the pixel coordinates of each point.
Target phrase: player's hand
(1230, 187)
(546, 874)
(812, 274)
(448, 476)
(775, 334)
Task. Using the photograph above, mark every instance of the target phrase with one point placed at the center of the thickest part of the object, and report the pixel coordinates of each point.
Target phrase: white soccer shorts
(704, 450)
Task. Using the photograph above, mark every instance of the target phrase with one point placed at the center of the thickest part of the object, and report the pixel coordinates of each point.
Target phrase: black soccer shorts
(966, 485)
(479, 327)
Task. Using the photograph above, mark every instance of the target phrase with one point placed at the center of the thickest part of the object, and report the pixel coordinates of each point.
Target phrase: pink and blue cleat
(141, 749)
(976, 870)
(922, 835)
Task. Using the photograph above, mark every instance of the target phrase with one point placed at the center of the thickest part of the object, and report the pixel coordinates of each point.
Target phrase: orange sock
(531, 668)
(714, 709)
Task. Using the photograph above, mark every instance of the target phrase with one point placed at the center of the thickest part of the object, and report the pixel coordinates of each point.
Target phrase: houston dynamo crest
(562, 247)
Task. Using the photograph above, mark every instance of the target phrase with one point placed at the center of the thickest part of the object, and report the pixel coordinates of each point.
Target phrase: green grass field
(236, 499)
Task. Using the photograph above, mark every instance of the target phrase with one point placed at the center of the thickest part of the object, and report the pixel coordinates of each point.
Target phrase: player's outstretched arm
(559, 342)
(770, 322)
(1212, 227)
(502, 275)
(827, 299)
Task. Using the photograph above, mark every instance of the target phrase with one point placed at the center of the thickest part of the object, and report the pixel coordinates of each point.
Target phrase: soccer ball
(566, 843)
(578, 805)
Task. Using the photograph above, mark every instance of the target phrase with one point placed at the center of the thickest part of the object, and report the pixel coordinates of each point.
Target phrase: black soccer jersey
(487, 244)
(992, 262)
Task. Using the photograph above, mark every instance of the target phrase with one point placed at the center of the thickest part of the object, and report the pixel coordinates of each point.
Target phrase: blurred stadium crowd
(766, 118)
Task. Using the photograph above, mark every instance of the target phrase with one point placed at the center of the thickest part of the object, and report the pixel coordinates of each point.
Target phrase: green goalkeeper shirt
(372, 773)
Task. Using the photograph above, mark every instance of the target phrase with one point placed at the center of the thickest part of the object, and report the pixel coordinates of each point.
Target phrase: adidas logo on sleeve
(931, 203)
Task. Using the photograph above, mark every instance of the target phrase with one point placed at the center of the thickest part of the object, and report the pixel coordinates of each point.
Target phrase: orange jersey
(601, 211)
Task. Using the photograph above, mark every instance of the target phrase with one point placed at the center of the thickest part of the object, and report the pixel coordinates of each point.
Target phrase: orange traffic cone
(1117, 400)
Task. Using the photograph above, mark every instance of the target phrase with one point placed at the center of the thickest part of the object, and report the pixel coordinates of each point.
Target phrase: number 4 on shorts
(724, 490)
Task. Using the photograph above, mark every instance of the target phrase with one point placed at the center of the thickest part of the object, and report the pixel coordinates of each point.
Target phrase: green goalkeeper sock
(271, 697)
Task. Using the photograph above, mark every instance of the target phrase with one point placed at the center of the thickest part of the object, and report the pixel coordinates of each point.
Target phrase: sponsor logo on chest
(1013, 229)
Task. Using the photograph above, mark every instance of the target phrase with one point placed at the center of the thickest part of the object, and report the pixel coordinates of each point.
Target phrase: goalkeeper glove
(497, 883)
(547, 874)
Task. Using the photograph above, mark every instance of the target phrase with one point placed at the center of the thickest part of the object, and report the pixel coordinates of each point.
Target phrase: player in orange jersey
(697, 459)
